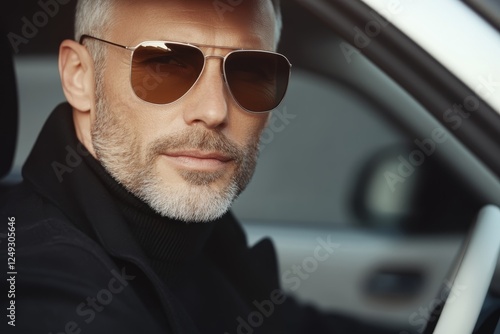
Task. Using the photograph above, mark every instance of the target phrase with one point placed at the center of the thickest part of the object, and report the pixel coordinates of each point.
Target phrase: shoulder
(46, 243)
(63, 280)
(40, 230)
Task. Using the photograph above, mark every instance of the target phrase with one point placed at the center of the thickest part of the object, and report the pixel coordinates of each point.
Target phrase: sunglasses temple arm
(83, 37)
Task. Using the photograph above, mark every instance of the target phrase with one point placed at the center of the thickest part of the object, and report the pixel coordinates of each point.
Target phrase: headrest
(9, 110)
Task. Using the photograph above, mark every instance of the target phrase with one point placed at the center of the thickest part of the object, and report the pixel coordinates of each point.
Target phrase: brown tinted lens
(164, 74)
(257, 80)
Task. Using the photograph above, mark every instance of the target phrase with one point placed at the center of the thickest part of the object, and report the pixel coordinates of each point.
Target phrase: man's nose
(209, 99)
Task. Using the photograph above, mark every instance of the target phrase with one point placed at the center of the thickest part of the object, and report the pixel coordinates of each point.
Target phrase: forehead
(248, 24)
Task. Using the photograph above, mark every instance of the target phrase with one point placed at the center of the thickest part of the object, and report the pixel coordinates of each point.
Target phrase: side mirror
(402, 189)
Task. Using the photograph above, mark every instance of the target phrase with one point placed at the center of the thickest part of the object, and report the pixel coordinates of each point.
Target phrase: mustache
(197, 139)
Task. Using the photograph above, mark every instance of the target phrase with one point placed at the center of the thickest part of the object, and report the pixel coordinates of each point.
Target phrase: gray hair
(92, 17)
(279, 20)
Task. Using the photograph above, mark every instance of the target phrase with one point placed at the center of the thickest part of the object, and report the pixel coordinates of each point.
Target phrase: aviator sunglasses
(162, 72)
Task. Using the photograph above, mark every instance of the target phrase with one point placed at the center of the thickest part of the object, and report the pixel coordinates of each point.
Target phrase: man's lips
(199, 160)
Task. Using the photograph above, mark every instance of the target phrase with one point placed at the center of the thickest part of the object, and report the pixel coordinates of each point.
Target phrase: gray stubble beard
(118, 150)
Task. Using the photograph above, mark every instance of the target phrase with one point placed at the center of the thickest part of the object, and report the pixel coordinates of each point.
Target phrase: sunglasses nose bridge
(221, 67)
(216, 57)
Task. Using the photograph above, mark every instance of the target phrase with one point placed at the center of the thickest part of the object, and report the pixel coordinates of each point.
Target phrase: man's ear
(76, 69)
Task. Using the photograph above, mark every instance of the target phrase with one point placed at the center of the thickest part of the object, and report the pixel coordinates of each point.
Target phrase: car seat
(9, 111)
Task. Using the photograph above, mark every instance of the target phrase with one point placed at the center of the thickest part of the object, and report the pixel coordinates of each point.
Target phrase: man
(121, 221)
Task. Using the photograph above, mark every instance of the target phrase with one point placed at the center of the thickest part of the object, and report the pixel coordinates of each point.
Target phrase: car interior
(358, 153)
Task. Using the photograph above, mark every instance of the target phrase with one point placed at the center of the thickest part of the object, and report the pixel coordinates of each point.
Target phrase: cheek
(132, 113)
(249, 127)
(130, 122)
(117, 72)
(144, 128)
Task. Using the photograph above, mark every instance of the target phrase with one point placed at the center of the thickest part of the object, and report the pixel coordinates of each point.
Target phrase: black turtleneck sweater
(175, 251)
(168, 244)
